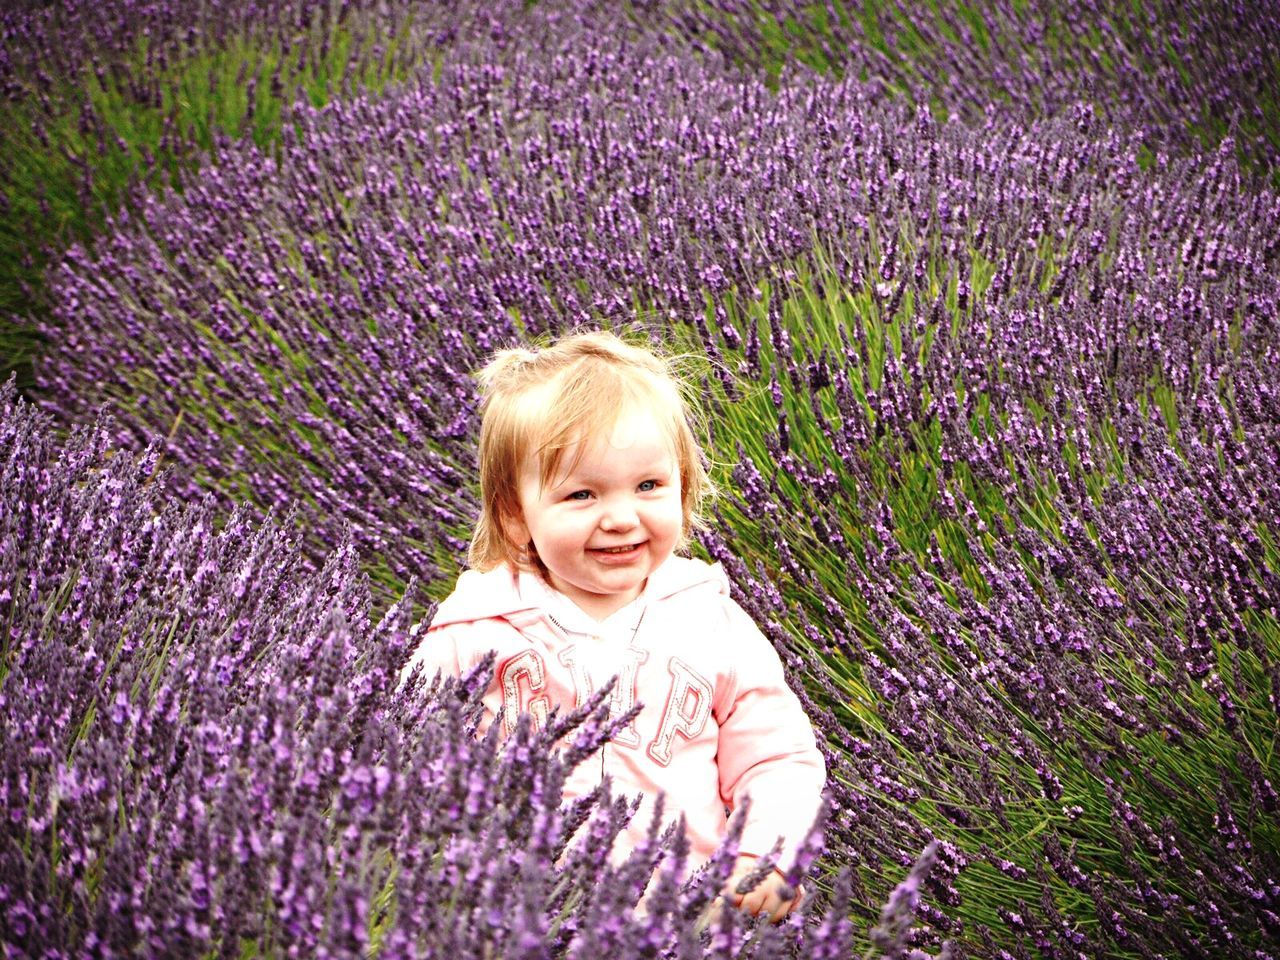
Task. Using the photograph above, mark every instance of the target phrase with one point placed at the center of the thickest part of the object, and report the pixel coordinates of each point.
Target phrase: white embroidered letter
(686, 712)
(525, 669)
(623, 696)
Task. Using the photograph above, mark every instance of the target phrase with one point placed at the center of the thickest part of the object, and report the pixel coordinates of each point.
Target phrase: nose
(619, 514)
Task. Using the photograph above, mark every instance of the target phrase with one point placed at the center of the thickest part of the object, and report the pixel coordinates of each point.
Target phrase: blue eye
(648, 485)
(579, 495)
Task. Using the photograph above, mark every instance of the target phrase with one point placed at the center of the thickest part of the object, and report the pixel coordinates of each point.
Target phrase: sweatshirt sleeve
(767, 748)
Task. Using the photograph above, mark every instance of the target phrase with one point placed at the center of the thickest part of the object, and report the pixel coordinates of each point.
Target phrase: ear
(515, 529)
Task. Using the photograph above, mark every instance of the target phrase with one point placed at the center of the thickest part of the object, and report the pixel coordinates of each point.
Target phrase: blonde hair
(539, 402)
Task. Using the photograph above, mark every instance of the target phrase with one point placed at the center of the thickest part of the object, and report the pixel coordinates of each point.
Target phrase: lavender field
(985, 304)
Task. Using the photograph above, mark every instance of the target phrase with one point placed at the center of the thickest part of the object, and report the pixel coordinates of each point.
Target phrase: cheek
(674, 515)
(563, 528)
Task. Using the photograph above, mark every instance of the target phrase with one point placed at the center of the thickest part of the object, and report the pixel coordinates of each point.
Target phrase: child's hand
(772, 897)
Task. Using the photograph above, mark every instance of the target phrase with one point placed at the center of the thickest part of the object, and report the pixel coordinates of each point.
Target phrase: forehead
(633, 430)
(634, 440)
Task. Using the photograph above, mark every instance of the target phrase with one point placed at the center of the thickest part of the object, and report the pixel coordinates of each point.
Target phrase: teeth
(617, 549)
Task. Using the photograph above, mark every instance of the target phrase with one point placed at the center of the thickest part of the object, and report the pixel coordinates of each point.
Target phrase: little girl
(591, 481)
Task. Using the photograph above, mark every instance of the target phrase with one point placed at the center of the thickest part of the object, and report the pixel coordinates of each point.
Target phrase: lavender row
(206, 752)
(100, 98)
(1180, 75)
(1024, 672)
(1027, 554)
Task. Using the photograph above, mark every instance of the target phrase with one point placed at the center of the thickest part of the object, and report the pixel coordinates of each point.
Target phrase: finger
(770, 905)
(754, 903)
(781, 911)
(780, 906)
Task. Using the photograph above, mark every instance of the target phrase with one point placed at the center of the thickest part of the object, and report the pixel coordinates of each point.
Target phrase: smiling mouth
(608, 551)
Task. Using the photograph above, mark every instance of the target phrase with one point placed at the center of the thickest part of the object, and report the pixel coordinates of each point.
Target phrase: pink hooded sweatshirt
(718, 722)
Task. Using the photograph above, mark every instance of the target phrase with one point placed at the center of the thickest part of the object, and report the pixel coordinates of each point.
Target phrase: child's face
(625, 491)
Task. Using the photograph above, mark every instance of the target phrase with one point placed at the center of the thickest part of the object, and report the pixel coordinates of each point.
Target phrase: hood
(502, 592)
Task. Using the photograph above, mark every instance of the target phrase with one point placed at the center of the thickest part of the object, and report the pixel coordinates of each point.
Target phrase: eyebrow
(658, 468)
